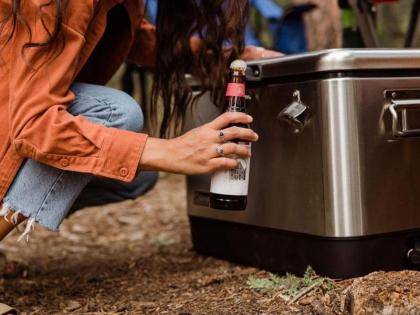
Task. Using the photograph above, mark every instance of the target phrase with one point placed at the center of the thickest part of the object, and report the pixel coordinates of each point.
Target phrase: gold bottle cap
(238, 65)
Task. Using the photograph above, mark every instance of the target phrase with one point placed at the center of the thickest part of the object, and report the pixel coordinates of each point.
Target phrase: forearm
(155, 155)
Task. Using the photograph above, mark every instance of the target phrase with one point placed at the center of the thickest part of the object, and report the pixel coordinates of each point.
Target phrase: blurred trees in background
(392, 22)
(323, 25)
(322, 28)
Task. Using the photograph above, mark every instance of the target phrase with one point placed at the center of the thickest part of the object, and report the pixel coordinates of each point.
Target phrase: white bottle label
(233, 182)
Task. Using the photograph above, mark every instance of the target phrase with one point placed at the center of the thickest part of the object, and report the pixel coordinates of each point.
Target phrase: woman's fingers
(222, 163)
(233, 133)
(204, 149)
(254, 52)
(228, 118)
(230, 148)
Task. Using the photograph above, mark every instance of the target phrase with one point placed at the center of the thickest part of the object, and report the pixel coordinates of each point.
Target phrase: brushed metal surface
(334, 60)
(280, 160)
(344, 175)
(341, 158)
(390, 172)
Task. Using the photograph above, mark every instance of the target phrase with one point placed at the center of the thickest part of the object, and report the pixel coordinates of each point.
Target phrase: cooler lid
(333, 60)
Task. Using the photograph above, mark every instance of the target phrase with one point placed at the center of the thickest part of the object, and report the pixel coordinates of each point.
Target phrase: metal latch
(399, 110)
(296, 114)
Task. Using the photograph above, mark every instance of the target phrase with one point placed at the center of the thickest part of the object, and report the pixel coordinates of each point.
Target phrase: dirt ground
(136, 257)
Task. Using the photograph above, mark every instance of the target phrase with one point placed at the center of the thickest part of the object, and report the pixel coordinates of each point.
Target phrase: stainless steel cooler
(335, 176)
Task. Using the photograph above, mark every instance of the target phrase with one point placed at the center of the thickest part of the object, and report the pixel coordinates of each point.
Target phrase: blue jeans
(47, 195)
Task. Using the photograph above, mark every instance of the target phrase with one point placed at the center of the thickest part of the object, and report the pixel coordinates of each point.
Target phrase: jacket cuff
(121, 153)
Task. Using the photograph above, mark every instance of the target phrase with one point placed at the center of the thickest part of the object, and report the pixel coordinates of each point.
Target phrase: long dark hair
(220, 24)
(13, 19)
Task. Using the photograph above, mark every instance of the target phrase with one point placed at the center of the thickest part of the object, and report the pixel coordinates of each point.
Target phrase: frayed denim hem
(6, 209)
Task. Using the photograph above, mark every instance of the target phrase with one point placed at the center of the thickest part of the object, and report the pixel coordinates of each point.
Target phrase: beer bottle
(229, 189)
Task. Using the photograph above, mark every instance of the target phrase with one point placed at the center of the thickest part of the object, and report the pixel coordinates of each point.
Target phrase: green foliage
(289, 284)
(264, 284)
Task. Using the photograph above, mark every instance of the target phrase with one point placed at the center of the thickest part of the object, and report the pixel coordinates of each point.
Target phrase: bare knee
(9, 220)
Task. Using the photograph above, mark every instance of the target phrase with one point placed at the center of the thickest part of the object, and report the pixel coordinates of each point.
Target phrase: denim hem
(7, 208)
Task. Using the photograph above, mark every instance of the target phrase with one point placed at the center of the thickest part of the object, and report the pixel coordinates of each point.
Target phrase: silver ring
(222, 135)
(219, 150)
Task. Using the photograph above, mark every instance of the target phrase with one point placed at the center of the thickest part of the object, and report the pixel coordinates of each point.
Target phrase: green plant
(264, 284)
(289, 284)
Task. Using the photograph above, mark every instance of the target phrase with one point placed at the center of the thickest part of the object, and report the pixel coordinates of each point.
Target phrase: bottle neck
(238, 77)
(236, 85)
(235, 92)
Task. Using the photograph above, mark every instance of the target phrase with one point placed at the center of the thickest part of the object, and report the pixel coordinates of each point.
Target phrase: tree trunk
(323, 24)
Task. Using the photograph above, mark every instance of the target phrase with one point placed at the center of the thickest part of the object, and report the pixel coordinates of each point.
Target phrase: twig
(344, 297)
(303, 292)
(347, 289)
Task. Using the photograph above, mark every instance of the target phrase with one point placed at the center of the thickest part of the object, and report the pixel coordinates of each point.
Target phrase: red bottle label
(235, 89)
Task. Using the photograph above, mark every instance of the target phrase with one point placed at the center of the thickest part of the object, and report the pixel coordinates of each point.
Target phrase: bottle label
(232, 182)
(235, 89)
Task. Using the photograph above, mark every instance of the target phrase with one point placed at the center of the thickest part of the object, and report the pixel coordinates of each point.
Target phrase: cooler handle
(403, 106)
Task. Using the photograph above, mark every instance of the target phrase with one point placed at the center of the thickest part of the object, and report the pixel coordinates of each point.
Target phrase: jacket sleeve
(143, 50)
(42, 129)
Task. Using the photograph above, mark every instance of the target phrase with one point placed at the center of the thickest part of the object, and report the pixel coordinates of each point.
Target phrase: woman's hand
(195, 151)
(254, 52)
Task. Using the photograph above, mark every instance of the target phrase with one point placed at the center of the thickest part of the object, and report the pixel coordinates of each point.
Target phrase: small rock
(306, 301)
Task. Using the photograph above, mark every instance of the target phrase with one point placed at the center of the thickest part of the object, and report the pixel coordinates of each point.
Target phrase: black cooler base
(281, 251)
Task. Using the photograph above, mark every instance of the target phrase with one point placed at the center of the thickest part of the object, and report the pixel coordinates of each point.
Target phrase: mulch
(136, 257)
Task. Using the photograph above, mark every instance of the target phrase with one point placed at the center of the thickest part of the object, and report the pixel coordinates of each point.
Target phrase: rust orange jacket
(100, 35)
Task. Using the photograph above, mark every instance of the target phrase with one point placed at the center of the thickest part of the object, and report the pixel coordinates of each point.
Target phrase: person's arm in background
(256, 52)
(142, 51)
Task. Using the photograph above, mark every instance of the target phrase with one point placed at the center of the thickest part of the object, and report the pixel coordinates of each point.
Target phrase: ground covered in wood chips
(136, 257)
